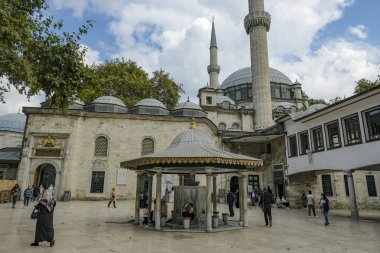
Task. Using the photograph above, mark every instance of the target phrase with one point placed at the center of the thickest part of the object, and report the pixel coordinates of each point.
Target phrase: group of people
(32, 193)
(309, 203)
(149, 214)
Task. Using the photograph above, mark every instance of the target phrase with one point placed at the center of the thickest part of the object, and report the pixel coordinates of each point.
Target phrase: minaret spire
(257, 24)
(213, 69)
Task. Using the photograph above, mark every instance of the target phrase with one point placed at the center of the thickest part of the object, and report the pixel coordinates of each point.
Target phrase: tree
(313, 101)
(37, 55)
(130, 83)
(364, 84)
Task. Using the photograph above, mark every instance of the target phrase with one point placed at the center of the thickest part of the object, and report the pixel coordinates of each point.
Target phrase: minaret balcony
(257, 18)
(213, 68)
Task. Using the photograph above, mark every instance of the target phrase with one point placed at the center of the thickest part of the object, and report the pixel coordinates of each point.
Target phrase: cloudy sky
(326, 44)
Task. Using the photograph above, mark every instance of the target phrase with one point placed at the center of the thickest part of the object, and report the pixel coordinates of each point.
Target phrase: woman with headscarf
(44, 226)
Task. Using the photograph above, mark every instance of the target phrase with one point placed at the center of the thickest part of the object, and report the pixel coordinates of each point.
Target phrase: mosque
(256, 111)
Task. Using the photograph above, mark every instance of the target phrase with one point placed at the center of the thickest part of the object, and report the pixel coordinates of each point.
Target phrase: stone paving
(92, 227)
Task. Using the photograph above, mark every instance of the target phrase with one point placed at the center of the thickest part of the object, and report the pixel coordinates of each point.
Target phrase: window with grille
(352, 130)
(333, 135)
(292, 146)
(97, 182)
(317, 136)
(147, 146)
(304, 142)
(371, 185)
(372, 121)
(346, 185)
(326, 185)
(101, 146)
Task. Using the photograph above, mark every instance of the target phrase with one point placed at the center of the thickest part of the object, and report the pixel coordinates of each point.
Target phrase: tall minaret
(257, 24)
(213, 69)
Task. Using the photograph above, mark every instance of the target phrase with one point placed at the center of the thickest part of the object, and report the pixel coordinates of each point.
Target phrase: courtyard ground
(89, 226)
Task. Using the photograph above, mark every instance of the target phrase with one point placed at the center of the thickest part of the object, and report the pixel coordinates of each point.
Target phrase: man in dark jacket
(266, 205)
(231, 198)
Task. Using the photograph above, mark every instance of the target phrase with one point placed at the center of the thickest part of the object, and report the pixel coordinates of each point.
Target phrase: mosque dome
(243, 76)
(150, 102)
(14, 122)
(221, 99)
(110, 100)
(187, 105)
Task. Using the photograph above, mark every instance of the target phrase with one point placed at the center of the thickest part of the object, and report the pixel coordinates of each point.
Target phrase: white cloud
(92, 56)
(360, 31)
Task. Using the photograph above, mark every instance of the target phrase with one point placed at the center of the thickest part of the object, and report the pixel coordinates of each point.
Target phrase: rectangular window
(371, 186)
(304, 142)
(244, 93)
(209, 100)
(352, 130)
(346, 185)
(97, 182)
(326, 185)
(333, 135)
(372, 122)
(284, 92)
(317, 136)
(273, 91)
(292, 146)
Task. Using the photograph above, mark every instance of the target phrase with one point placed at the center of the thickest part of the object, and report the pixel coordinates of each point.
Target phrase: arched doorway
(45, 175)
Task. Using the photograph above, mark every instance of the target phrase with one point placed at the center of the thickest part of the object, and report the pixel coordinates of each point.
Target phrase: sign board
(121, 178)
(278, 173)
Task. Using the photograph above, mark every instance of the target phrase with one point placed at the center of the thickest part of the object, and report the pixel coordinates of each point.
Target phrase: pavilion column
(244, 207)
(157, 209)
(181, 180)
(208, 171)
(150, 190)
(137, 199)
(351, 190)
(240, 197)
(215, 207)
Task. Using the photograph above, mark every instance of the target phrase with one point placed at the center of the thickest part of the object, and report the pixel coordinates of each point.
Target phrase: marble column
(208, 199)
(215, 207)
(244, 207)
(150, 190)
(157, 209)
(351, 190)
(137, 199)
(240, 197)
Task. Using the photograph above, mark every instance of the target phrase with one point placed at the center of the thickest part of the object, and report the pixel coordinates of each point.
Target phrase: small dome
(221, 99)
(109, 100)
(316, 107)
(244, 76)
(187, 105)
(14, 122)
(286, 105)
(150, 102)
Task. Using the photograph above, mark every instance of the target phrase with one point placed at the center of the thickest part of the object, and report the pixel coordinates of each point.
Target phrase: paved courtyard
(92, 227)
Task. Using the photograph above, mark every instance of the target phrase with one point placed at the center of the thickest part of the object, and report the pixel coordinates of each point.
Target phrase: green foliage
(130, 83)
(37, 55)
(313, 101)
(364, 84)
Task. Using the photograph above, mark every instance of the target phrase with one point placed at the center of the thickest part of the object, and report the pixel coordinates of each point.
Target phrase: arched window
(222, 126)
(101, 146)
(280, 109)
(235, 126)
(147, 146)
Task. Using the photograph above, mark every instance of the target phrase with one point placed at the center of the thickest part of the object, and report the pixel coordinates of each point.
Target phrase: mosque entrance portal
(45, 175)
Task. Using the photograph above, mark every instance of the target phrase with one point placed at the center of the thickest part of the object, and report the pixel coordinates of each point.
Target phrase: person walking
(231, 198)
(15, 193)
(253, 198)
(311, 204)
(28, 193)
(112, 197)
(44, 226)
(266, 205)
(325, 207)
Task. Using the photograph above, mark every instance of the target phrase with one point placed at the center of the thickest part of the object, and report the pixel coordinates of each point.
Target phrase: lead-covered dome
(150, 102)
(244, 76)
(221, 99)
(187, 105)
(14, 122)
(110, 100)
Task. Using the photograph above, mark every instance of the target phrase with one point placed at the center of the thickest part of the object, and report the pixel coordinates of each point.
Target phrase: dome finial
(188, 98)
(193, 123)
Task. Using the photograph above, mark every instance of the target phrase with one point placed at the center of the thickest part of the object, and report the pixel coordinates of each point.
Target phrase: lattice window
(97, 182)
(327, 185)
(101, 146)
(147, 146)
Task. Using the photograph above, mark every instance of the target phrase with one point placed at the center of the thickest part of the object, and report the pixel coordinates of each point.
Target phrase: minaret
(213, 69)
(257, 24)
